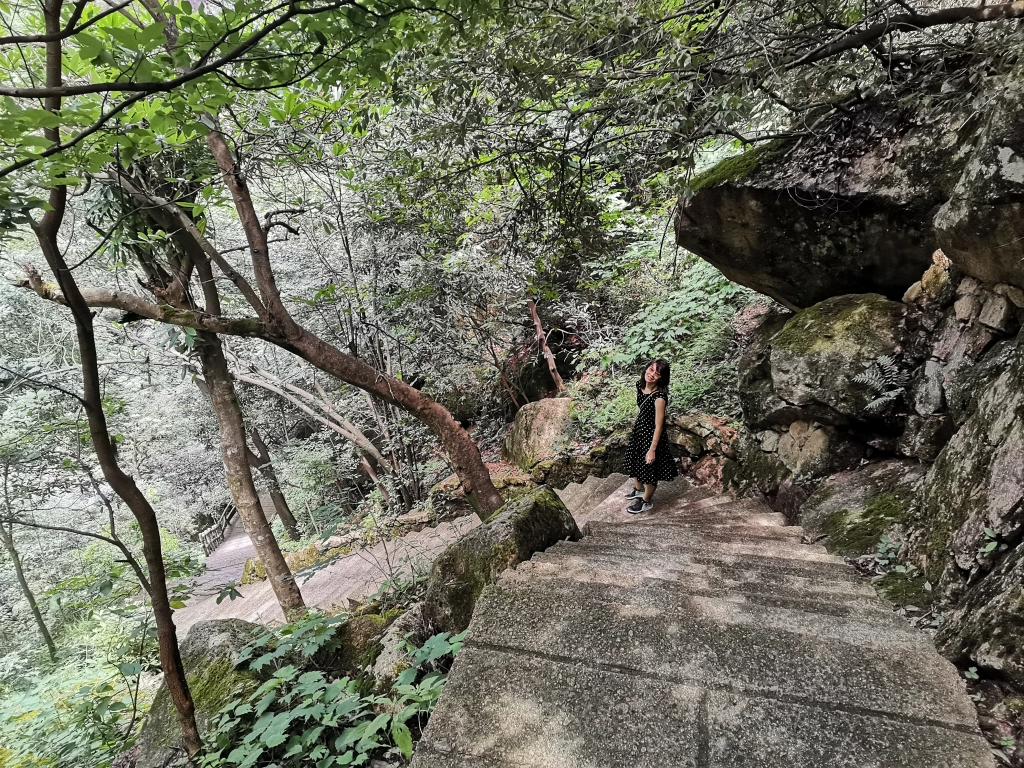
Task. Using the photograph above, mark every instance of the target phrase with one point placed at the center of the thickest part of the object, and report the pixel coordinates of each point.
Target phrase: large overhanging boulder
(860, 206)
(981, 228)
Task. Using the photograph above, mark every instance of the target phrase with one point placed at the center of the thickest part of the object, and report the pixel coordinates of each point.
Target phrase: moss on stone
(905, 589)
(253, 571)
(850, 533)
(739, 166)
(1014, 704)
(853, 325)
(216, 685)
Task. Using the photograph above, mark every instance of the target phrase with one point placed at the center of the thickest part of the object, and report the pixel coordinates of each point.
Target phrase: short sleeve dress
(663, 468)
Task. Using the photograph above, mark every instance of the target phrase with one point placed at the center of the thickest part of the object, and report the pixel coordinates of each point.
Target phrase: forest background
(281, 225)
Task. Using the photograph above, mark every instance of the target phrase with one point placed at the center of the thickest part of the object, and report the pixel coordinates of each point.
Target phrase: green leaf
(403, 738)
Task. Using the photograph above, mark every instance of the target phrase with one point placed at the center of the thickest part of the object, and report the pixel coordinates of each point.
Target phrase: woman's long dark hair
(664, 374)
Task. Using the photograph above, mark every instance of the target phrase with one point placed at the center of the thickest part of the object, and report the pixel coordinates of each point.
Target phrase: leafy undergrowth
(305, 716)
(691, 328)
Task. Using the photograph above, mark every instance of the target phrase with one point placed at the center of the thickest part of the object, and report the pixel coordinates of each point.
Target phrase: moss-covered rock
(530, 523)
(821, 350)
(858, 532)
(538, 430)
(209, 654)
(359, 640)
(850, 212)
(906, 588)
(855, 508)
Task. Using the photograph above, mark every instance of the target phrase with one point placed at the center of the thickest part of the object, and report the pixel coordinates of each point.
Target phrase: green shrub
(303, 717)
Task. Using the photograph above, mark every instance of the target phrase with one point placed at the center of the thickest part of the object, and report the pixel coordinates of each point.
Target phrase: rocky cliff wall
(857, 206)
(894, 430)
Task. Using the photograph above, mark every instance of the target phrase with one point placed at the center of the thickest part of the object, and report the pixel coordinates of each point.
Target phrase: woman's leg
(649, 491)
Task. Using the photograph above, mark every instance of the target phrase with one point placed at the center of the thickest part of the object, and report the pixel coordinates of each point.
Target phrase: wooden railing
(212, 537)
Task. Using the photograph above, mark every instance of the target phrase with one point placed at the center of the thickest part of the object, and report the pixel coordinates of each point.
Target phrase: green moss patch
(905, 589)
(855, 325)
(739, 166)
(850, 533)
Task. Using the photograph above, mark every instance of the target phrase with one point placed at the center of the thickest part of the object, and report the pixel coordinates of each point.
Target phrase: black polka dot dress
(663, 468)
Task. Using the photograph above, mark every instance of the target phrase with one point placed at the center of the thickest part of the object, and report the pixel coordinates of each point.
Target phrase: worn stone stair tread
(722, 546)
(702, 641)
(693, 531)
(689, 558)
(751, 576)
(554, 713)
(581, 498)
(834, 604)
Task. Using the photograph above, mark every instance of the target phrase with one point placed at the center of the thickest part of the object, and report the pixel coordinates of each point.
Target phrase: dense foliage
(424, 177)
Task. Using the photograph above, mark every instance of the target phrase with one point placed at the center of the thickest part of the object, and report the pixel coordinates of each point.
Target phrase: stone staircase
(702, 635)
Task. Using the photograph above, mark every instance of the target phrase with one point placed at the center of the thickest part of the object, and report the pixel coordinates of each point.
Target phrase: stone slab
(754, 650)
(828, 570)
(510, 710)
(514, 710)
(749, 575)
(867, 607)
(724, 545)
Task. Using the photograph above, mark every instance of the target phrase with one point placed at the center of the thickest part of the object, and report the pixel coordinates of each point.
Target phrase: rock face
(940, 469)
(528, 524)
(208, 654)
(536, 433)
(984, 216)
(858, 208)
(852, 510)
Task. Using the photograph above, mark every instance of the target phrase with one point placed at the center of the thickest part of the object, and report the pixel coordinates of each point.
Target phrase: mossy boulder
(850, 210)
(209, 654)
(853, 510)
(599, 461)
(821, 350)
(530, 523)
(539, 431)
(985, 213)
(359, 640)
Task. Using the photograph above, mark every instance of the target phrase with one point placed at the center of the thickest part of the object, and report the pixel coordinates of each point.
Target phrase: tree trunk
(463, 452)
(234, 451)
(464, 455)
(7, 537)
(261, 461)
(545, 350)
(92, 400)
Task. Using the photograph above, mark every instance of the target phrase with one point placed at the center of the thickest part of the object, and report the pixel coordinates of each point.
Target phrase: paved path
(355, 576)
(702, 635)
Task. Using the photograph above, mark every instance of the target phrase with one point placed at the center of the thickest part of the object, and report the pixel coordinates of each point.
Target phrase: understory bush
(689, 327)
(304, 716)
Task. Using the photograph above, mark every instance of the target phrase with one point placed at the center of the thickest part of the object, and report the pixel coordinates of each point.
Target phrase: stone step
(580, 498)
(828, 574)
(770, 594)
(723, 544)
(748, 575)
(503, 709)
(751, 649)
(687, 532)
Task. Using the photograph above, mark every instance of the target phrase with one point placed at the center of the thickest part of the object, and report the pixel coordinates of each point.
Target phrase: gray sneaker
(634, 493)
(639, 505)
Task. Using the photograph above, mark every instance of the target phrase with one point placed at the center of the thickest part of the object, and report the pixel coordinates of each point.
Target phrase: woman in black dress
(648, 459)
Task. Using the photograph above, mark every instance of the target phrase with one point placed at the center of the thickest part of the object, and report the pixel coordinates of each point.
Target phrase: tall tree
(47, 229)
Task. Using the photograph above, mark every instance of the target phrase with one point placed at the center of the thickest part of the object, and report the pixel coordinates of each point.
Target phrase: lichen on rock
(209, 656)
(531, 523)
